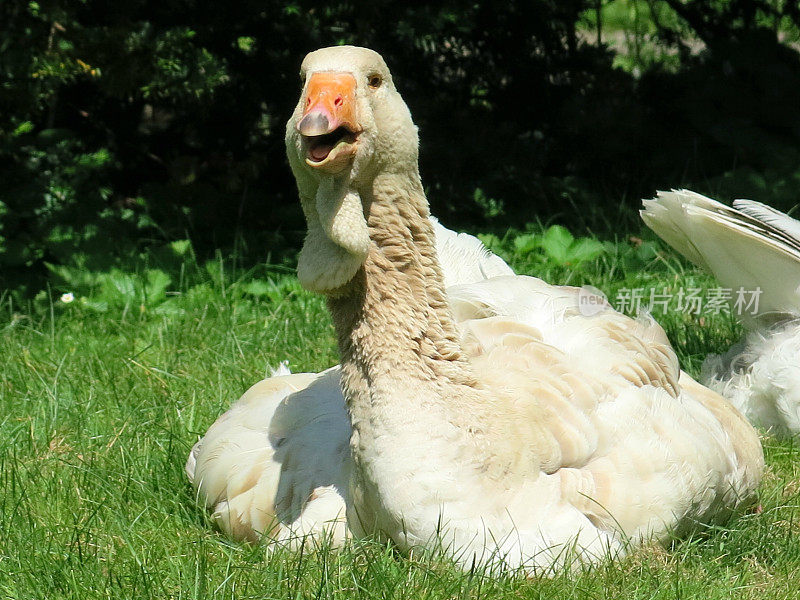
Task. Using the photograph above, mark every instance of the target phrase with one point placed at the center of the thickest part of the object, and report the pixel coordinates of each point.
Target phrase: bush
(164, 120)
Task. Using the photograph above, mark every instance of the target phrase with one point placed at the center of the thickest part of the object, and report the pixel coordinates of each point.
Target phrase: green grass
(100, 405)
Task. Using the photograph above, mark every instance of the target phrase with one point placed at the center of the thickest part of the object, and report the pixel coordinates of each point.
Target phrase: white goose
(494, 422)
(754, 248)
(277, 462)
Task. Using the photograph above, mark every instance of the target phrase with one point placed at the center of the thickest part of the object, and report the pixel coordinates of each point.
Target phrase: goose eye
(375, 81)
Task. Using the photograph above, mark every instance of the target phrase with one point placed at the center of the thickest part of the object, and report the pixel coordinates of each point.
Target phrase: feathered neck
(393, 318)
(418, 411)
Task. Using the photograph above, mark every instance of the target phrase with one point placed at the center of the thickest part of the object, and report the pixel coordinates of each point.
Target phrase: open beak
(328, 124)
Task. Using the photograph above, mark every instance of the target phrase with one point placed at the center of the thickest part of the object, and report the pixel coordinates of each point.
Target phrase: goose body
(276, 464)
(492, 421)
(755, 248)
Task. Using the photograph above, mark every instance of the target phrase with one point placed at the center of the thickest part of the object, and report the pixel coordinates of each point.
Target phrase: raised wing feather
(755, 249)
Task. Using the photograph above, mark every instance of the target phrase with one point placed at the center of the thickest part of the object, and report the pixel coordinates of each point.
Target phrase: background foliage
(125, 126)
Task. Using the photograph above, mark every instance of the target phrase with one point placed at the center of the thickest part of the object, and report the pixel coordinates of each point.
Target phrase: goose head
(349, 126)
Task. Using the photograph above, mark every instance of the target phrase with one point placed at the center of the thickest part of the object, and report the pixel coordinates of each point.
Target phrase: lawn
(102, 398)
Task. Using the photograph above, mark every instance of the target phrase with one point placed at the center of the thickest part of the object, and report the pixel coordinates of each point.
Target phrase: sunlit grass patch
(99, 408)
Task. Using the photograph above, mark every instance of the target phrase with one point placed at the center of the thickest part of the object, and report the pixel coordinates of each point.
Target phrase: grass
(101, 403)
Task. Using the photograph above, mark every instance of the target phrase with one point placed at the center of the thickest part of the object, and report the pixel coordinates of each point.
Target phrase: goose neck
(394, 323)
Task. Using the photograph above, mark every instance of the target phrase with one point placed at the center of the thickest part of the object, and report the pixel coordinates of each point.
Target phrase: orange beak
(330, 104)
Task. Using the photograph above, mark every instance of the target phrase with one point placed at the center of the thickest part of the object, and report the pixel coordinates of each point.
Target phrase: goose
(756, 249)
(493, 422)
(275, 465)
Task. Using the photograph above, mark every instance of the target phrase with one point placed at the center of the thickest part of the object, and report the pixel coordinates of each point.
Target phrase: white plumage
(464, 258)
(275, 463)
(754, 248)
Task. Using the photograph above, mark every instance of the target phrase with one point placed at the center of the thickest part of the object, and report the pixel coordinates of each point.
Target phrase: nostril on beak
(338, 101)
(314, 123)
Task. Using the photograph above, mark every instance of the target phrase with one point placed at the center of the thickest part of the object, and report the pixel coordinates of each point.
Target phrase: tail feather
(750, 246)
